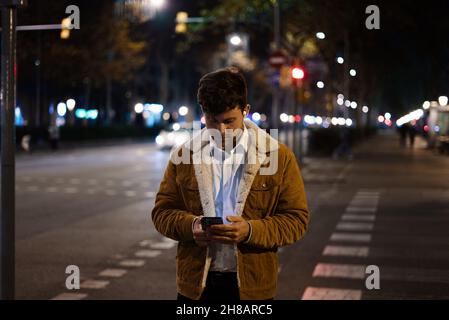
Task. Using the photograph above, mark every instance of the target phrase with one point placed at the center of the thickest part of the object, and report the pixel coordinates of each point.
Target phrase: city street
(90, 207)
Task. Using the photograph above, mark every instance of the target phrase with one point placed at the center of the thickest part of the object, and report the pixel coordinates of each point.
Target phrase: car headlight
(160, 140)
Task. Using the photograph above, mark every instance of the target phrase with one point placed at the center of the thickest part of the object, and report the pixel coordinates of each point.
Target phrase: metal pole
(277, 41)
(8, 102)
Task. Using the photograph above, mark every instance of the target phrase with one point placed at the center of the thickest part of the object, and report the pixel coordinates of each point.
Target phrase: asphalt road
(388, 207)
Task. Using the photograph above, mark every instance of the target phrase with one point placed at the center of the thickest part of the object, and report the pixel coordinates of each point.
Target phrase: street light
(321, 35)
(340, 60)
(320, 84)
(284, 117)
(365, 109)
(71, 104)
(235, 40)
(443, 100)
(138, 108)
(426, 105)
(353, 72)
(354, 105)
(157, 4)
(61, 109)
(183, 111)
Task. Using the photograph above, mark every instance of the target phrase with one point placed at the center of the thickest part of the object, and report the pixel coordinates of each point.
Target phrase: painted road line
(111, 192)
(71, 190)
(75, 181)
(351, 237)
(70, 296)
(333, 270)
(360, 209)
(51, 189)
(132, 263)
(94, 284)
(32, 188)
(355, 226)
(145, 243)
(127, 183)
(130, 193)
(358, 217)
(162, 245)
(113, 273)
(147, 253)
(312, 293)
(346, 251)
(92, 181)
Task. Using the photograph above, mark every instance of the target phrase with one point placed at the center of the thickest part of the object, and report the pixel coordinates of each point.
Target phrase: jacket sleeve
(169, 214)
(290, 220)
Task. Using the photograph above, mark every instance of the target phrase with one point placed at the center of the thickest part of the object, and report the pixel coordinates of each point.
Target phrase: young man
(234, 170)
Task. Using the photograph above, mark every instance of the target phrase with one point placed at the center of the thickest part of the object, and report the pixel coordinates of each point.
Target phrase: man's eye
(228, 122)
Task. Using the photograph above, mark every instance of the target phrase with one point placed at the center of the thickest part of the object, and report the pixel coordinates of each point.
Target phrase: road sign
(277, 59)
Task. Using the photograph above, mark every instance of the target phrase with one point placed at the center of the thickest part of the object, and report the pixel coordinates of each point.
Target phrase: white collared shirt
(227, 168)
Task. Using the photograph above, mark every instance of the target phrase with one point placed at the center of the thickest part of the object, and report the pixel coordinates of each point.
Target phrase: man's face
(228, 120)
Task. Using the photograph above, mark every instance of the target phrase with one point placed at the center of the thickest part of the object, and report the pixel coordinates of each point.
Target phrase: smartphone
(206, 222)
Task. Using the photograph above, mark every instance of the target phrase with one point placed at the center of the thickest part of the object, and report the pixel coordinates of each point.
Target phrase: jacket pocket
(190, 194)
(263, 194)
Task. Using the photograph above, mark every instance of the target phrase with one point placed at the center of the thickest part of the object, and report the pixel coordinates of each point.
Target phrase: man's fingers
(222, 227)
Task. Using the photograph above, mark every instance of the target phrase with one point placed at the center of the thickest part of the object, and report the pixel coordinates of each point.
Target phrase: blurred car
(175, 135)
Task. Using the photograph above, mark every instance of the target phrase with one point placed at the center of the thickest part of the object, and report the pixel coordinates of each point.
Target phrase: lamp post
(8, 103)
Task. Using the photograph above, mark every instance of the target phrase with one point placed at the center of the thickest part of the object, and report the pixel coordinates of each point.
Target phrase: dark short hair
(222, 90)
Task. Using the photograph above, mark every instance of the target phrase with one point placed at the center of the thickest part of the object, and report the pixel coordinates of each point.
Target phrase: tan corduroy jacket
(271, 197)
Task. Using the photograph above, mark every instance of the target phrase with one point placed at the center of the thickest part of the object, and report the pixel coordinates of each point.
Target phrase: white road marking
(110, 183)
(332, 270)
(132, 263)
(70, 296)
(360, 209)
(145, 243)
(75, 181)
(94, 284)
(351, 237)
(51, 189)
(346, 251)
(358, 217)
(162, 245)
(127, 183)
(113, 273)
(71, 190)
(130, 193)
(147, 253)
(111, 192)
(32, 188)
(355, 226)
(145, 185)
(91, 191)
(312, 293)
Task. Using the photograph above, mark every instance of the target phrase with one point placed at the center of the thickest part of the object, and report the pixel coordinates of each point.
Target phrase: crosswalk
(351, 238)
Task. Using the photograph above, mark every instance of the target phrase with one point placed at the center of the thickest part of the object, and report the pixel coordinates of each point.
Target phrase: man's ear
(246, 110)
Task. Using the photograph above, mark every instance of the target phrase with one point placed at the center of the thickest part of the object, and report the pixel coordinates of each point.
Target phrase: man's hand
(201, 237)
(235, 232)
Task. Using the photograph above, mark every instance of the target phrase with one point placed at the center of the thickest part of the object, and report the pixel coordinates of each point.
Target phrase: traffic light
(65, 28)
(181, 22)
(298, 74)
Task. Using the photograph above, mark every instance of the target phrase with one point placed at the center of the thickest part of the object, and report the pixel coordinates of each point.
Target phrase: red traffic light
(298, 73)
